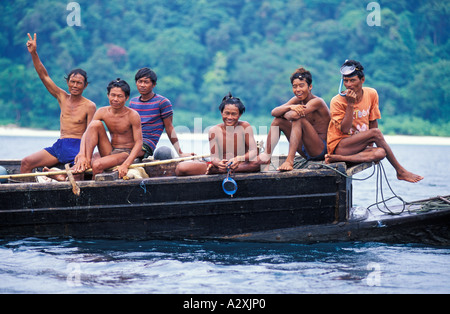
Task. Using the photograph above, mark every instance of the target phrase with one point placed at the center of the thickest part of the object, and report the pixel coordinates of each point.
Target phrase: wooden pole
(59, 172)
(442, 198)
(75, 188)
(168, 161)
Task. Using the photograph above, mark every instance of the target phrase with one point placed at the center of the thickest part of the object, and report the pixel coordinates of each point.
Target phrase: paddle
(59, 172)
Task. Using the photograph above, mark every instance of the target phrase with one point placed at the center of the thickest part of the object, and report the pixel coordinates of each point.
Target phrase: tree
(203, 49)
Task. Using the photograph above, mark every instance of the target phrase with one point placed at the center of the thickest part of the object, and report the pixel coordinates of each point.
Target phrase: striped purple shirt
(152, 113)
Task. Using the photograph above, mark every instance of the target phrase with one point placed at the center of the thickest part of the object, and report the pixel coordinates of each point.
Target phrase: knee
(26, 163)
(379, 154)
(190, 168)
(97, 166)
(277, 122)
(376, 134)
(280, 124)
(96, 124)
(95, 127)
(184, 168)
(181, 169)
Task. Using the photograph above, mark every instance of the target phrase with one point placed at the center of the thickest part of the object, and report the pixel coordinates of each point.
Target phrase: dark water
(71, 266)
(55, 266)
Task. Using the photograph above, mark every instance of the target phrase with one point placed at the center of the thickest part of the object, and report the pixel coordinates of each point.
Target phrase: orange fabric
(365, 111)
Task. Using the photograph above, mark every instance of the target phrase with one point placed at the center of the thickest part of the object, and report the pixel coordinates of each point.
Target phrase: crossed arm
(294, 111)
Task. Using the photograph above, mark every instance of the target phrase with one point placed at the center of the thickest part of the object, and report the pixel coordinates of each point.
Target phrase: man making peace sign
(76, 114)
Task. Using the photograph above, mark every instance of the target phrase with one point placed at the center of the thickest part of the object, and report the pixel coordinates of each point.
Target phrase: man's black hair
(359, 69)
(75, 72)
(148, 73)
(230, 100)
(302, 75)
(120, 84)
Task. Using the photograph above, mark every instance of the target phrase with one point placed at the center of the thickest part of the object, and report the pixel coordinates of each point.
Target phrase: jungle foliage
(204, 48)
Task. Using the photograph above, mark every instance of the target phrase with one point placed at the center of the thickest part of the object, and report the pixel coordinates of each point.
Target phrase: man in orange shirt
(354, 127)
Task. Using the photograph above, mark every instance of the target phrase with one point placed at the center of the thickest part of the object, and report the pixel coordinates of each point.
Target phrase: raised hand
(351, 97)
(31, 43)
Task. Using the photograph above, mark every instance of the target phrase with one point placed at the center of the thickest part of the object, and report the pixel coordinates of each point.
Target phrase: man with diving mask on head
(353, 129)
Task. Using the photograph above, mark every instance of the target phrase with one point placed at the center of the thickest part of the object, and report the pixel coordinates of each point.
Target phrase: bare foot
(211, 169)
(408, 176)
(60, 177)
(264, 159)
(329, 159)
(208, 169)
(286, 166)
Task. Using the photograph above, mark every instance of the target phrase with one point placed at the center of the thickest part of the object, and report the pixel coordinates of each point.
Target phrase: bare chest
(74, 114)
(233, 144)
(118, 124)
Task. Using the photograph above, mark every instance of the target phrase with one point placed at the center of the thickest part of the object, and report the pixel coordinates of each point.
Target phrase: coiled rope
(432, 204)
(381, 176)
(386, 210)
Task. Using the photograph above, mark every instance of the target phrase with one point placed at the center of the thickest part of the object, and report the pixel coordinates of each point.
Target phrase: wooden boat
(302, 206)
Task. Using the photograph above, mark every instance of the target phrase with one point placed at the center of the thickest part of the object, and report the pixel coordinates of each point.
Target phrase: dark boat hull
(430, 228)
(302, 206)
(174, 208)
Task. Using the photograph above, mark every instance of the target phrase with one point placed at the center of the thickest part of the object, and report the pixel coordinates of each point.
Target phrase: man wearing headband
(304, 120)
(354, 125)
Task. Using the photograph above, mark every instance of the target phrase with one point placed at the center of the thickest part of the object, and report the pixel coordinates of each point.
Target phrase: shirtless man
(304, 120)
(124, 126)
(354, 126)
(76, 114)
(232, 144)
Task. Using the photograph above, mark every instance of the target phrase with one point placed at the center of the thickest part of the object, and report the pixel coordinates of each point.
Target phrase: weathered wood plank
(172, 207)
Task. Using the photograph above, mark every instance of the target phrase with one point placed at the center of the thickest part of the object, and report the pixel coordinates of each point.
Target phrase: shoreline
(391, 139)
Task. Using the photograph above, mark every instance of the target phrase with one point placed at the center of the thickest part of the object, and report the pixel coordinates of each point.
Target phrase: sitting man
(304, 120)
(124, 126)
(232, 144)
(354, 127)
(156, 114)
(76, 114)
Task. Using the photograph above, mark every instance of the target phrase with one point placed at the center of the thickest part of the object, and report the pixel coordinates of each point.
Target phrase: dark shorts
(65, 150)
(148, 151)
(319, 157)
(116, 151)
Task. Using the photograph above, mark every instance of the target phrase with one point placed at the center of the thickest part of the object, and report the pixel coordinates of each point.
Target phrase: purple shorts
(65, 150)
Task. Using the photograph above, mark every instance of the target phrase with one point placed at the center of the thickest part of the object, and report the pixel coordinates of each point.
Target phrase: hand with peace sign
(31, 43)
(57, 92)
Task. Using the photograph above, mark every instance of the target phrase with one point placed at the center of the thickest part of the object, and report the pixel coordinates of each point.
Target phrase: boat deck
(303, 206)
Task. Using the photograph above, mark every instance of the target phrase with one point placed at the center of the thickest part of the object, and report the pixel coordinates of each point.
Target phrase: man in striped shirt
(156, 114)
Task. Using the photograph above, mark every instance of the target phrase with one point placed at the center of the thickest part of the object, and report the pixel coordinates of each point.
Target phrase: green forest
(203, 49)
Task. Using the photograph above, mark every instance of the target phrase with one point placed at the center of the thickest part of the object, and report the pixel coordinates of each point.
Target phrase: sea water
(34, 265)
